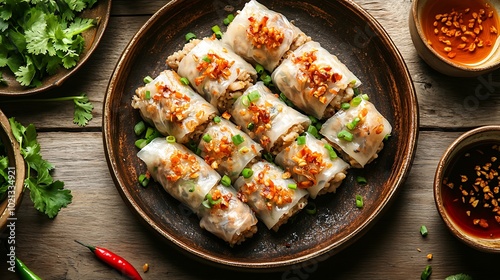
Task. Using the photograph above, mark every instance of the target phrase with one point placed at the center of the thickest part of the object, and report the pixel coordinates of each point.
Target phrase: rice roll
(226, 148)
(215, 71)
(357, 132)
(174, 108)
(183, 174)
(262, 36)
(271, 193)
(313, 165)
(315, 81)
(267, 119)
(225, 216)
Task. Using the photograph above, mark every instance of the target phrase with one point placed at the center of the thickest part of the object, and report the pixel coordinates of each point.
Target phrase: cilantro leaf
(48, 196)
(83, 110)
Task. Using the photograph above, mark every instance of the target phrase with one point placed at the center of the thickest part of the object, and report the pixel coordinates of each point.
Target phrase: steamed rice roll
(271, 193)
(315, 81)
(183, 174)
(174, 108)
(313, 165)
(215, 71)
(226, 148)
(225, 216)
(357, 132)
(262, 36)
(267, 119)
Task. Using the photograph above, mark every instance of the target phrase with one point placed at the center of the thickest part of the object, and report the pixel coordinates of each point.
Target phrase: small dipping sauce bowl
(467, 188)
(457, 38)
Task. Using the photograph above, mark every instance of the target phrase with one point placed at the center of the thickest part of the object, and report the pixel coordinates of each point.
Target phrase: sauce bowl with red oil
(457, 38)
(467, 188)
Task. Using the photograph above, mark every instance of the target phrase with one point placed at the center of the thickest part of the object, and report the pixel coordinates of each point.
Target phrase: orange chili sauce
(463, 48)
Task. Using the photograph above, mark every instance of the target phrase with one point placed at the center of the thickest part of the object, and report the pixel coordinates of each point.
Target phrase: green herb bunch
(37, 37)
(4, 165)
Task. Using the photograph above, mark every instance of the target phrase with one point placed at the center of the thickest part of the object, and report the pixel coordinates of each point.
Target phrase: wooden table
(392, 249)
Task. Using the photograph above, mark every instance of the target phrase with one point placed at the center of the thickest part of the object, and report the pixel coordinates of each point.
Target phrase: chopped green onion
(148, 94)
(269, 157)
(207, 138)
(346, 135)
(361, 180)
(365, 96)
(206, 59)
(184, 81)
(149, 132)
(357, 91)
(245, 101)
(139, 128)
(331, 151)
(286, 100)
(209, 201)
(170, 139)
(318, 126)
(238, 139)
(228, 19)
(244, 150)
(311, 208)
(424, 231)
(254, 96)
(292, 186)
(250, 126)
(148, 79)
(359, 201)
(356, 101)
(197, 151)
(143, 180)
(352, 125)
(426, 273)
(192, 188)
(266, 79)
(313, 120)
(216, 30)
(247, 173)
(225, 181)
(313, 131)
(301, 140)
(141, 143)
(259, 68)
(217, 119)
(345, 106)
(190, 36)
(386, 137)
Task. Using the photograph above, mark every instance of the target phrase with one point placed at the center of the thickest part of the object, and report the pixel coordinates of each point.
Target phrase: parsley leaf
(48, 196)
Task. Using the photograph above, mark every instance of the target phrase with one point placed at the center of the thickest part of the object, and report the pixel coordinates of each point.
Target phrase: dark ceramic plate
(92, 37)
(343, 28)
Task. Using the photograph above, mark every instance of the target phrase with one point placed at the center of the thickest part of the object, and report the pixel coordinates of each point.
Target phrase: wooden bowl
(438, 62)
(92, 38)
(458, 222)
(9, 205)
(343, 28)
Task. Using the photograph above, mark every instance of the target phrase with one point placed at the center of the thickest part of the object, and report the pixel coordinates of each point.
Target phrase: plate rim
(319, 255)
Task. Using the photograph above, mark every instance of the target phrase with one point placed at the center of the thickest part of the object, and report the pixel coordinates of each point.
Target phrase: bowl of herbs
(42, 43)
(12, 173)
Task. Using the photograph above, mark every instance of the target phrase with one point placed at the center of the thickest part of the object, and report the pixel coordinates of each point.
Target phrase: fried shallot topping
(316, 76)
(174, 103)
(308, 164)
(261, 35)
(214, 67)
(182, 165)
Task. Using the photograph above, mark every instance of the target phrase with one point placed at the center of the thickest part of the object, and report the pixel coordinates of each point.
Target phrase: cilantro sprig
(48, 195)
(4, 178)
(83, 107)
(38, 37)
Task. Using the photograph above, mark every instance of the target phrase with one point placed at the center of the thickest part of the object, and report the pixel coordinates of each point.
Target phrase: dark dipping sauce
(471, 191)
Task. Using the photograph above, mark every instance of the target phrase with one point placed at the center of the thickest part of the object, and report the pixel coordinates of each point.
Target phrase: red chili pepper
(114, 261)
